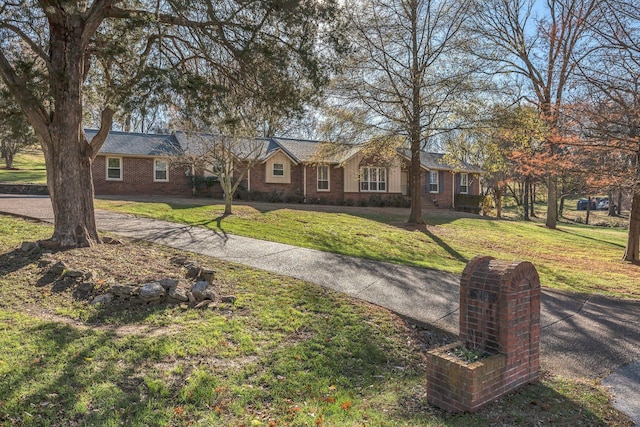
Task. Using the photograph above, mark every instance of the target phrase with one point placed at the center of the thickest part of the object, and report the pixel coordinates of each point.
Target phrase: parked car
(603, 205)
(582, 205)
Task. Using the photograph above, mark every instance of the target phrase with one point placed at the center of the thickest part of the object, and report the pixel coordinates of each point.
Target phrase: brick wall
(137, 179)
(457, 386)
(499, 314)
(259, 184)
(444, 198)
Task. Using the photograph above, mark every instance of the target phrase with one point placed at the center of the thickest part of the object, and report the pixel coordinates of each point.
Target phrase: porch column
(453, 190)
(304, 181)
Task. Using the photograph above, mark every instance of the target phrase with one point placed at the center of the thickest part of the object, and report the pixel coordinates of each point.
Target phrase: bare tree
(612, 123)
(545, 51)
(228, 158)
(407, 76)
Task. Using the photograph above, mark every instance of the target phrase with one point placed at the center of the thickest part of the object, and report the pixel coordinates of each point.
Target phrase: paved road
(582, 336)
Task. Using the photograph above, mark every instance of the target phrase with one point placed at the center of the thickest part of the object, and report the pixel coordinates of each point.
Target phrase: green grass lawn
(574, 257)
(29, 168)
(285, 353)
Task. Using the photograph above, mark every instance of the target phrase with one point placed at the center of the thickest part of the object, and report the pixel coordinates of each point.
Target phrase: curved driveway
(582, 336)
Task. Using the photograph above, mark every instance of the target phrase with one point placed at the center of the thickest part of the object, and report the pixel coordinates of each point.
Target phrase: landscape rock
(168, 283)
(73, 273)
(192, 299)
(125, 291)
(58, 268)
(83, 290)
(228, 299)
(44, 262)
(102, 299)
(207, 274)
(199, 290)
(178, 295)
(179, 260)
(212, 294)
(111, 240)
(151, 292)
(29, 246)
(193, 271)
(203, 304)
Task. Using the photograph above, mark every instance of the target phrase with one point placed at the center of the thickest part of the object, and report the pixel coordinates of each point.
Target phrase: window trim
(318, 180)
(107, 168)
(156, 170)
(273, 170)
(436, 183)
(466, 183)
(368, 182)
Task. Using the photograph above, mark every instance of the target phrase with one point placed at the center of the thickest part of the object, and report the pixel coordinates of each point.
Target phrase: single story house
(291, 169)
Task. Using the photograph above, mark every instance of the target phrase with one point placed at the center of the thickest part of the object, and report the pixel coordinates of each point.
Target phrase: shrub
(274, 196)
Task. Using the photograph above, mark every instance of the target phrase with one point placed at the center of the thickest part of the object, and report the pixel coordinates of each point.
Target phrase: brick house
(290, 169)
(138, 164)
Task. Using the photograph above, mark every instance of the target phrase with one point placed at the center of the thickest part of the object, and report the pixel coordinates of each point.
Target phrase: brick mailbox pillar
(499, 315)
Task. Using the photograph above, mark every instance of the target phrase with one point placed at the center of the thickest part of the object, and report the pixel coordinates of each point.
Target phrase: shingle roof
(137, 144)
(302, 150)
(299, 150)
(435, 161)
(198, 144)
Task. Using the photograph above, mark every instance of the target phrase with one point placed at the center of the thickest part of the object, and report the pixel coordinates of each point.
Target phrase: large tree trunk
(68, 156)
(228, 202)
(532, 200)
(497, 197)
(525, 200)
(632, 251)
(552, 202)
(415, 215)
(612, 208)
(619, 205)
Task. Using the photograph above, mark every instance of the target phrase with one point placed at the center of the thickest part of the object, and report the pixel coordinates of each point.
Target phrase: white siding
(351, 174)
(394, 175)
(281, 159)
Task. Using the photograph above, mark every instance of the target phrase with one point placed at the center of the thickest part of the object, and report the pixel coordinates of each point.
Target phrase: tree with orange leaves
(544, 51)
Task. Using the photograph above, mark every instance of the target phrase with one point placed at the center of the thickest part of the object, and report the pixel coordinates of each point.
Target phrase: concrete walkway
(582, 336)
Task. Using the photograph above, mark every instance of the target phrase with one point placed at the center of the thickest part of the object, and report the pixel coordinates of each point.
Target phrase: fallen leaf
(179, 410)
(346, 405)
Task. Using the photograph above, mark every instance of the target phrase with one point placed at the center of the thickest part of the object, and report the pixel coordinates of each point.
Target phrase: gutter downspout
(304, 182)
(249, 180)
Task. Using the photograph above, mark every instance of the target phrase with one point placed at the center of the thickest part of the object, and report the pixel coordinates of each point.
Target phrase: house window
(323, 178)
(160, 170)
(434, 186)
(278, 169)
(373, 179)
(114, 169)
(464, 186)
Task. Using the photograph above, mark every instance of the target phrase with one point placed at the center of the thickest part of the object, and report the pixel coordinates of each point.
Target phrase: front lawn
(285, 353)
(28, 168)
(574, 257)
